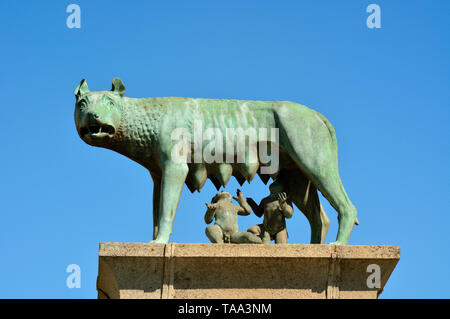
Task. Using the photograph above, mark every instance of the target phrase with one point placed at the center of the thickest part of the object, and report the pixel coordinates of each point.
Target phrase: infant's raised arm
(210, 213)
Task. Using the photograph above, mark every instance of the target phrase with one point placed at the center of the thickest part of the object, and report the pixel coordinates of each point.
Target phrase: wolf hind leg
(314, 212)
(331, 187)
(304, 195)
(315, 152)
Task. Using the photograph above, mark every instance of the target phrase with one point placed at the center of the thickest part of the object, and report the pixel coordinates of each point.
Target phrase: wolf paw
(337, 243)
(158, 241)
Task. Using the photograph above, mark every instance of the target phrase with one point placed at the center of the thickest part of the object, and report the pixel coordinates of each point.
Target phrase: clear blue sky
(386, 92)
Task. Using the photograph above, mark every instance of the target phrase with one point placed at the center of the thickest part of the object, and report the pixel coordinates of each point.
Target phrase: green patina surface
(141, 129)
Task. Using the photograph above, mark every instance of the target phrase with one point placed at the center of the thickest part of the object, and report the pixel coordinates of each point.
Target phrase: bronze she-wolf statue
(143, 130)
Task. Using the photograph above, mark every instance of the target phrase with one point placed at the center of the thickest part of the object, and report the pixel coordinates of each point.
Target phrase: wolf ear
(118, 87)
(81, 89)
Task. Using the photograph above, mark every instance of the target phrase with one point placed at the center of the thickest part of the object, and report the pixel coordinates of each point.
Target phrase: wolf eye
(109, 103)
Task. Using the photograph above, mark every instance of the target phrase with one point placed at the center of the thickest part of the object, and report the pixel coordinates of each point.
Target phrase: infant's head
(276, 188)
(223, 195)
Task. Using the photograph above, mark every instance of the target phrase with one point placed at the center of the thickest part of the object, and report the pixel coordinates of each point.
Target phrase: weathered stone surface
(142, 270)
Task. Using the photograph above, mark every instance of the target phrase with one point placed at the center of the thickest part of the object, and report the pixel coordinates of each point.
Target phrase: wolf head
(98, 114)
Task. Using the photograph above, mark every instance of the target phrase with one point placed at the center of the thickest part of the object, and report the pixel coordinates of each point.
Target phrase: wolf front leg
(156, 197)
(172, 181)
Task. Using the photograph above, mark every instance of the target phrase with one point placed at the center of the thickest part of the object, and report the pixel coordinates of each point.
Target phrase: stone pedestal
(138, 270)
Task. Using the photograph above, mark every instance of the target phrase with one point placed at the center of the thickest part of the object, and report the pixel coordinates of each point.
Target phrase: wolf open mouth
(97, 130)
